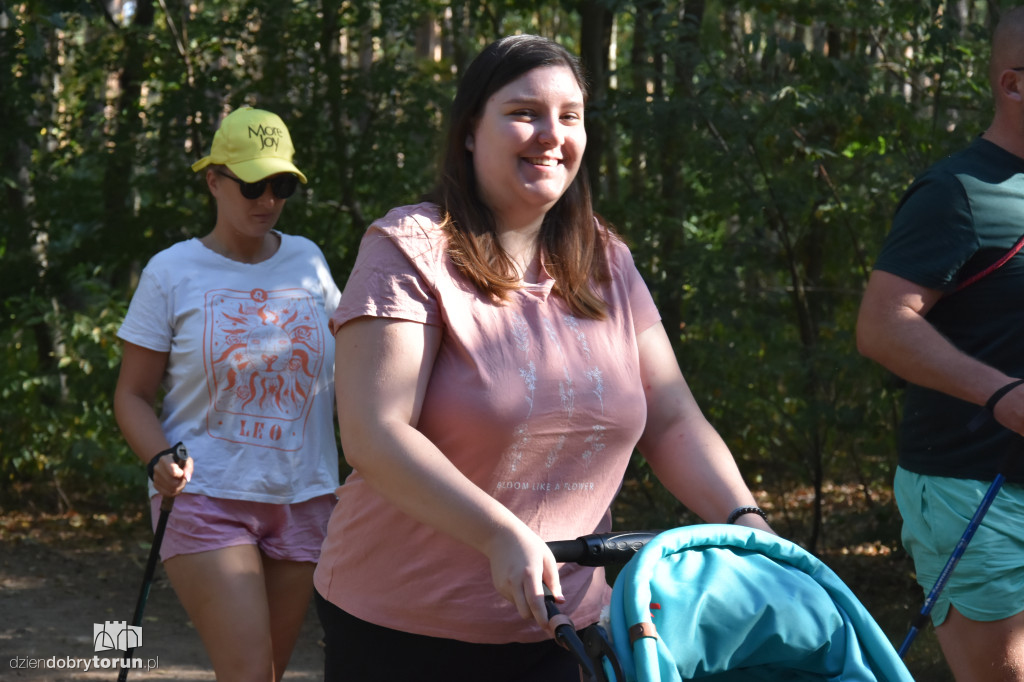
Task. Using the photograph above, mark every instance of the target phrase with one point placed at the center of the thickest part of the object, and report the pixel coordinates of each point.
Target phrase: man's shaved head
(1007, 44)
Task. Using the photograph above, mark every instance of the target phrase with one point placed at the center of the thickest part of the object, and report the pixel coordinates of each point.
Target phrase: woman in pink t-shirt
(498, 358)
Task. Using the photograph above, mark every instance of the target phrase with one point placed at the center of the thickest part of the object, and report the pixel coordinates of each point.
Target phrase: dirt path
(60, 576)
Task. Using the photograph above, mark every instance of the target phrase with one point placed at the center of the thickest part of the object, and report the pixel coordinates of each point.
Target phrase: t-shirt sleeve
(385, 283)
(644, 311)
(149, 322)
(932, 233)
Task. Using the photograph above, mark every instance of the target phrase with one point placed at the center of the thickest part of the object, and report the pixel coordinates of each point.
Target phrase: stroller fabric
(731, 603)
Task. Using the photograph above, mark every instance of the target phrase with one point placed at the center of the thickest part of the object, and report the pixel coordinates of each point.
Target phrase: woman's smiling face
(528, 143)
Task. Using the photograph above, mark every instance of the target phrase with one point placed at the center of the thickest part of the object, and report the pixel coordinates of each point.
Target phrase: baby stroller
(724, 603)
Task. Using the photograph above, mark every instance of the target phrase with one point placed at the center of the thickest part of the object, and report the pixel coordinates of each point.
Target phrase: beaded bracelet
(740, 511)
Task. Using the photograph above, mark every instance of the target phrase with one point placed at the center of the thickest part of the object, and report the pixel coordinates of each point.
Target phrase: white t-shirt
(250, 376)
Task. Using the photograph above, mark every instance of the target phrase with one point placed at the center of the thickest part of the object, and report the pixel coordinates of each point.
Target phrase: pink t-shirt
(539, 408)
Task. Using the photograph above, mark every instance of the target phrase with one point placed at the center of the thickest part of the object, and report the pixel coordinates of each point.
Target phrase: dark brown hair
(571, 244)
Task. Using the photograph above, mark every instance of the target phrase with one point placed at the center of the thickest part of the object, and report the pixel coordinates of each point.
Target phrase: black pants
(357, 651)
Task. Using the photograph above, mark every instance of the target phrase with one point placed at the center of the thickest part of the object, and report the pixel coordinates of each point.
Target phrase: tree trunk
(117, 180)
(595, 40)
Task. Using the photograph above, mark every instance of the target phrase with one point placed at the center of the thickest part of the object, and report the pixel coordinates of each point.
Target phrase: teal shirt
(961, 215)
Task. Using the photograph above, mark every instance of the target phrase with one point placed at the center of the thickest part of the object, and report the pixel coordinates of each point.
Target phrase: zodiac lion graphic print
(263, 353)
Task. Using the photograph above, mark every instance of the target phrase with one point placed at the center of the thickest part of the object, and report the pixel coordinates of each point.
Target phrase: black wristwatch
(178, 451)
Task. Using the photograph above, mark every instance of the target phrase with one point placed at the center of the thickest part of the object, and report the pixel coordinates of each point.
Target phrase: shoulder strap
(992, 268)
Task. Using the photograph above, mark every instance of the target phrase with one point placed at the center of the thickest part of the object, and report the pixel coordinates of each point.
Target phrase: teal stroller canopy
(732, 604)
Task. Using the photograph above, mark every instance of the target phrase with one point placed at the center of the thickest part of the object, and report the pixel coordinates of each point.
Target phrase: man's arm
(892, 331)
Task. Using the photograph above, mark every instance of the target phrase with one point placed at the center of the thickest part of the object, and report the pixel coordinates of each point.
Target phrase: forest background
(751, 153)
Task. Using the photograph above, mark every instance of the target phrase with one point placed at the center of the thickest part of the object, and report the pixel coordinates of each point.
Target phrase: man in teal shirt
(957, 343)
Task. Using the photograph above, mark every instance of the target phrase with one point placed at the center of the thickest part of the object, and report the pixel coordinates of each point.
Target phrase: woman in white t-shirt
(498, 359)
(230, 330)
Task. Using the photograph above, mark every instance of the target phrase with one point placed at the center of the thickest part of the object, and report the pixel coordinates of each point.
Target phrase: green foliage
(56, 424)
(752, 155)
(798, 125)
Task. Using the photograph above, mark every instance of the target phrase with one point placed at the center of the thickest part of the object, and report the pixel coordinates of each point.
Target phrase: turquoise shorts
(988, 582)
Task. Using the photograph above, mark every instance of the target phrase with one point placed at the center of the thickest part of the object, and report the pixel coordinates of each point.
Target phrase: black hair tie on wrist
(740, 511)
(989, 410)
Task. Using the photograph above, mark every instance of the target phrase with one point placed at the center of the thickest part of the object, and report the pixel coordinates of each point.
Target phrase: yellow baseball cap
(254, 144)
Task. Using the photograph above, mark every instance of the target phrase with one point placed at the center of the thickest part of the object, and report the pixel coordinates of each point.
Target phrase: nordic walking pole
(979, 420)
(954, 558)
(180, 455)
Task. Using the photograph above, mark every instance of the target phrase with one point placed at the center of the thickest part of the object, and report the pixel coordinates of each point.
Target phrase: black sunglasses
(283, 186)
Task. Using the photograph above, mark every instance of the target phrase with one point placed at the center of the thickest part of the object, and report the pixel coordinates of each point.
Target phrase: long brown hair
(572, 245)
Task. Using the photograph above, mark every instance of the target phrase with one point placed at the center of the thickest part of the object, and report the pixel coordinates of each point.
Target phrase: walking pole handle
(180, 455)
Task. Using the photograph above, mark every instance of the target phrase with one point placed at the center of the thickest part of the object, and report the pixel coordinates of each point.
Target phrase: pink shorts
(289, 532)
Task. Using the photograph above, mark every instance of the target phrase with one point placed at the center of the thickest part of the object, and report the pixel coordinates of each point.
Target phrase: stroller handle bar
(601, 549)
(598, 549)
